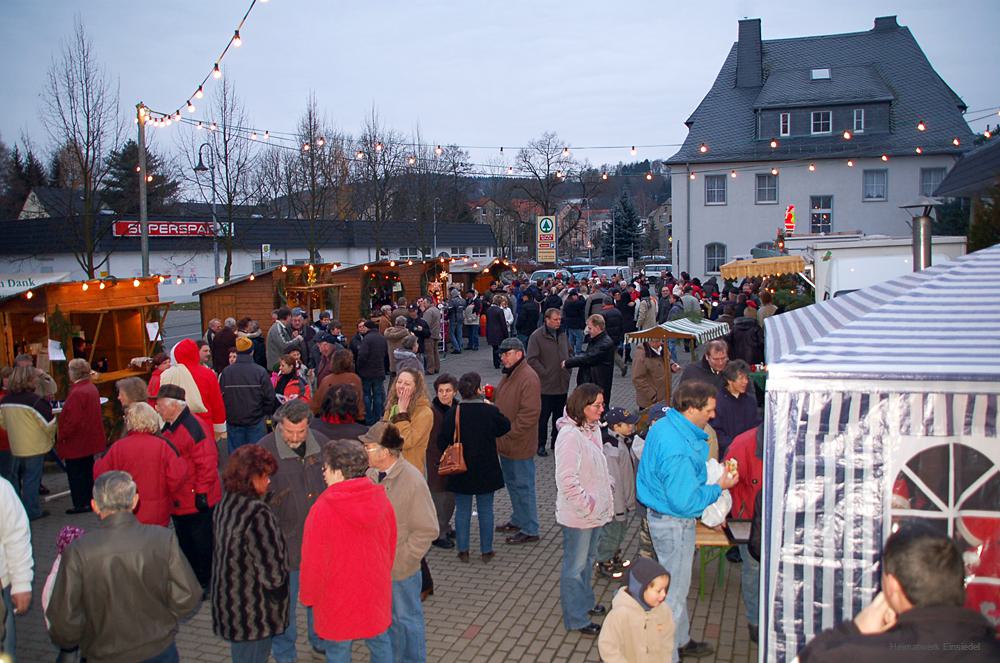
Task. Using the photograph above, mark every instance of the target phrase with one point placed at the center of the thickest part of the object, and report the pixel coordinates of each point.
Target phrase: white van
(625, 272)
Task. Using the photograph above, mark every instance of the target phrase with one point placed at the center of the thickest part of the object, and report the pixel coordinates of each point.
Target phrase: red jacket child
(349, 543)
(81, 427)
(185, 353)
(748, 450)
(193, 438)
(156, 467)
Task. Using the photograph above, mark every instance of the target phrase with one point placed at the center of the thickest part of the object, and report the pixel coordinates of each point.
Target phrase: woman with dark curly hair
(342, 372)
(339, 415)
(249, 575)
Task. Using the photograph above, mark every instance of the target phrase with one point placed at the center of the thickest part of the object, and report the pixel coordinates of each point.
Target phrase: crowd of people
(258, 472)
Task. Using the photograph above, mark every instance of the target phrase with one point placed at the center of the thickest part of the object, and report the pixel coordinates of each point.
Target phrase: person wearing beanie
(248, 397)
(640, 626)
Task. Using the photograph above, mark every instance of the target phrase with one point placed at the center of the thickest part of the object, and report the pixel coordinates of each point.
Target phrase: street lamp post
(201, 168)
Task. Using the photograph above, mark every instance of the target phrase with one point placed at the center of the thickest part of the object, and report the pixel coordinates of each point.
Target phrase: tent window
(715, 257)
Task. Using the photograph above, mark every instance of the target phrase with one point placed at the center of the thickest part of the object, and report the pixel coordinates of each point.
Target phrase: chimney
(885, 23)
(749, 70)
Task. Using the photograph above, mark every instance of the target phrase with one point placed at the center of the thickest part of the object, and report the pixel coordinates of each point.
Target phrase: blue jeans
(251, 651)
(519, 476)
(750, 584)
(339, 651)
(575, 338)
(472, 333)
(27, 479)
(576, 594)
(168, 655)
(9, 644)
(374, 395)
(283, 644)
(455, 332)
(463, 521)
(237, 436)
(407, 629)
(672, 348)
(673, 541)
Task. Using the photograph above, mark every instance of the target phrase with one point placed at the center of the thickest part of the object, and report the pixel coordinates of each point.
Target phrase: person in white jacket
(16, 564)
(584, 504)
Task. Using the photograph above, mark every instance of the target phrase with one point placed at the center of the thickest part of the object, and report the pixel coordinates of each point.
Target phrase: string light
(101, 286)
(29, 295)
(632, 151)
(305, 147)
(732, 174)
(847, 134)
(320, 142)
(565, 152)
(919, 150)
(774, 171)
(359, 155)
(378, 146)
(213, 126)
(220, 280)
(438, 150)
(179, 281)
(812, 168)
(267, 135)
(691, 176)
(988, 134)
(253, 135)
(703, 148)
(604, 176)
(921, 126)
(774, 143)
(649, 177)
(284, 268)
(850, 163)
(149, 178)
(86, 286)
(237, 42)
(200, 92)
(190, 106)
(216, 72)
(956, 142)
(510, 170)
(138, 169)
(411, 160)
(885, 157)
(135, 284)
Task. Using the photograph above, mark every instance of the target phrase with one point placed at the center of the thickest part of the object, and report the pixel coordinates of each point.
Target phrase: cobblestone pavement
(507, 610)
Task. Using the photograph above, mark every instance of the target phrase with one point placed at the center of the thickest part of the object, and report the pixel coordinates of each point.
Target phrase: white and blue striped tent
(882, 406)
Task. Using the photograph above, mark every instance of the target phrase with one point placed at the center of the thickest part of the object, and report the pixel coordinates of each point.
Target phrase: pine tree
(121, 192)
(621, 239)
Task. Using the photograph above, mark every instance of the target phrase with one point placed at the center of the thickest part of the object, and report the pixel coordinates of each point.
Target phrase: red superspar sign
(165, 229)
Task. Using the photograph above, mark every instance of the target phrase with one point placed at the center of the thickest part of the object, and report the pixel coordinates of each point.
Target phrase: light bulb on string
(199, 126)
(565, 152)
(919, 150)
(220, 280)
(812, 168)
(253, 135)
(179, 281)
(149, 178)
(135, 284)
(190, 106)
(510, 170)
(320, 142)
(438, 150)
(199, 93)
(632, 151)
(29, 295)
(138, 169)
(956, 142)
(559, 173)
(703, 148)
(359, 155)
(378, 146)
(267, 135)
(921, 126)
(284, 268)
(167, 121)
(988, 134)
(732, 174)
(691, 176)
(237, 42)
(774, 171)
(85, 286)
(885, 157)
(101, 286)
(252, 277)
(774, 143)
(850, 163)
(847, 134)
(305, 147)
(411, 160)
(213, 126)
(160, 278)
(216, 72)
(604, 176)
(649, 177)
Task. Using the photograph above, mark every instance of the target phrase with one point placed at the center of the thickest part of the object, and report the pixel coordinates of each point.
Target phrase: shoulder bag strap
(457, 437)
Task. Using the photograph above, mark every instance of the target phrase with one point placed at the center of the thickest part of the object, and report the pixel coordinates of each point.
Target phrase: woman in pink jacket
(583, 504)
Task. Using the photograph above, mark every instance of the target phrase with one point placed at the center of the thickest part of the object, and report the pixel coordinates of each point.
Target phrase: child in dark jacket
(622, 464)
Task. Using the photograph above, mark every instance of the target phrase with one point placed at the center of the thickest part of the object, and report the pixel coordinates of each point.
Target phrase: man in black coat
(598, 360)
(371, 368)
(574, 320)
(918, 615)
(616, 329)
(496, 329)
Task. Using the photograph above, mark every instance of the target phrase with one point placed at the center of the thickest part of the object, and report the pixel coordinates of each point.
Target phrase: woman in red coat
(349, 544)
(81, 434)
(207, 404)
(156, 466)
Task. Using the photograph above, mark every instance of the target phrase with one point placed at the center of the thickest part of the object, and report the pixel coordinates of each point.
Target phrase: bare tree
(546, 162)
(233, 157)
(378, 166)
(81, 115)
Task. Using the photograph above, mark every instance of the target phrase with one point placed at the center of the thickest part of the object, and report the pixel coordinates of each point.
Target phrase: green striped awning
(701, 331)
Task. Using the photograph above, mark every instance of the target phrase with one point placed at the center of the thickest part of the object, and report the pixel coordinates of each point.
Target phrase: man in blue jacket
(671, 484)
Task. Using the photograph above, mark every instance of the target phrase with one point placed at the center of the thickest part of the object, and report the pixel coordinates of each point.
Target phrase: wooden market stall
(350, 293)
(697, 332)
(469, 274)
(109, 322)
(765, 267)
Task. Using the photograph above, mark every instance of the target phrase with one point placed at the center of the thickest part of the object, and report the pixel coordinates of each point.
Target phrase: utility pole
(140, 114)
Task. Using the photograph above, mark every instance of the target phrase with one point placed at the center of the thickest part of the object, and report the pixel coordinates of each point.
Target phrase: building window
(820, 74)
(715, 257)
(930, 179)
(785, 122)
(821, 122)
(820, 214)
(875, 185)
(479, 252)
(859, 120)
(767, 189)
(457, 250)
(715, 189)
(482, 211)
(410, 253)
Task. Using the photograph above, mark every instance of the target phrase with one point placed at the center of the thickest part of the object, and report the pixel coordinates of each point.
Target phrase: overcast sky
(467, 72)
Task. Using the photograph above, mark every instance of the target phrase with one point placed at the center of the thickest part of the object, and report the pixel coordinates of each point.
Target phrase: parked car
(624, 271)
(543, 274)
(652, 271)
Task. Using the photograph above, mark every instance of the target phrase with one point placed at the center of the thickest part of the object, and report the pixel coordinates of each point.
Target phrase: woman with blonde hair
(410, 410)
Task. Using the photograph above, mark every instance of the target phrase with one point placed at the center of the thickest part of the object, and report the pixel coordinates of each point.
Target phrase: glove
(201, 502)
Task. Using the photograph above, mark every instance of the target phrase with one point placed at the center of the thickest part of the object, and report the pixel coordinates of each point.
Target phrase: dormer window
(821, 122)
(820, 74)
(786, 124)
(859, 120)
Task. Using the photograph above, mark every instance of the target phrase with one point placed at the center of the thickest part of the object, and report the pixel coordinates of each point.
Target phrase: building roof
(56, 235)
(56, 201)
(885, 62)
(974, 173)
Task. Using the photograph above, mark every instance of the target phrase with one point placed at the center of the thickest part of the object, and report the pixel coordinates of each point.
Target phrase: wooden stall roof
(775, 266)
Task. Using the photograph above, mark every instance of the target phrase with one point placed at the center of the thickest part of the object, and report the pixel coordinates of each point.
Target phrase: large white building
(847, 128)
(183, 248)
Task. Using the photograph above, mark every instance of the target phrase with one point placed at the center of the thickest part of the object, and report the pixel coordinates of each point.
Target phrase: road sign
(545, 239)
(265, 250)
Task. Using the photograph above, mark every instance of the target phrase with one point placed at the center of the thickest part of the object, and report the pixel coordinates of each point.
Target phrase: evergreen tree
(622, 239)
(985, 229)
(121, 191)
(18, 175)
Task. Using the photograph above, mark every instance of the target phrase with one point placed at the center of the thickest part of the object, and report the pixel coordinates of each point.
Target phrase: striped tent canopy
(773, 266)
(883, 407)
(701, 331)
(938, 324)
